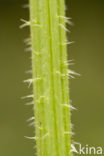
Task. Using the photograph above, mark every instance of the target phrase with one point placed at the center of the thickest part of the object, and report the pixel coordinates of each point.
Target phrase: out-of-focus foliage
(86, 91)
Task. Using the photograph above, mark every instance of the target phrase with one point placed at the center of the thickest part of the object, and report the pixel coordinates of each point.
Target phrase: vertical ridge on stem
(51, 87)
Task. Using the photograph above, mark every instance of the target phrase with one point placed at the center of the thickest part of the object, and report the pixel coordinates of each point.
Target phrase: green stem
(50, 75)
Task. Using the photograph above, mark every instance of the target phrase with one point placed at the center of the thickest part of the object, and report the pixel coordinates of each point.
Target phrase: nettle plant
(50, 78)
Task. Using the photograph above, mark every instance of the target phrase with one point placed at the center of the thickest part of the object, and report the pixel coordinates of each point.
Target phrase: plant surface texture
(50, 78)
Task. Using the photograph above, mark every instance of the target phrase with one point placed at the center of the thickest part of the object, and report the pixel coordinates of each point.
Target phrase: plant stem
(50, 75)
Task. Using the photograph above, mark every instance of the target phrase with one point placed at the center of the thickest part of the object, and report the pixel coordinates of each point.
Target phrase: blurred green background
(87, 91)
